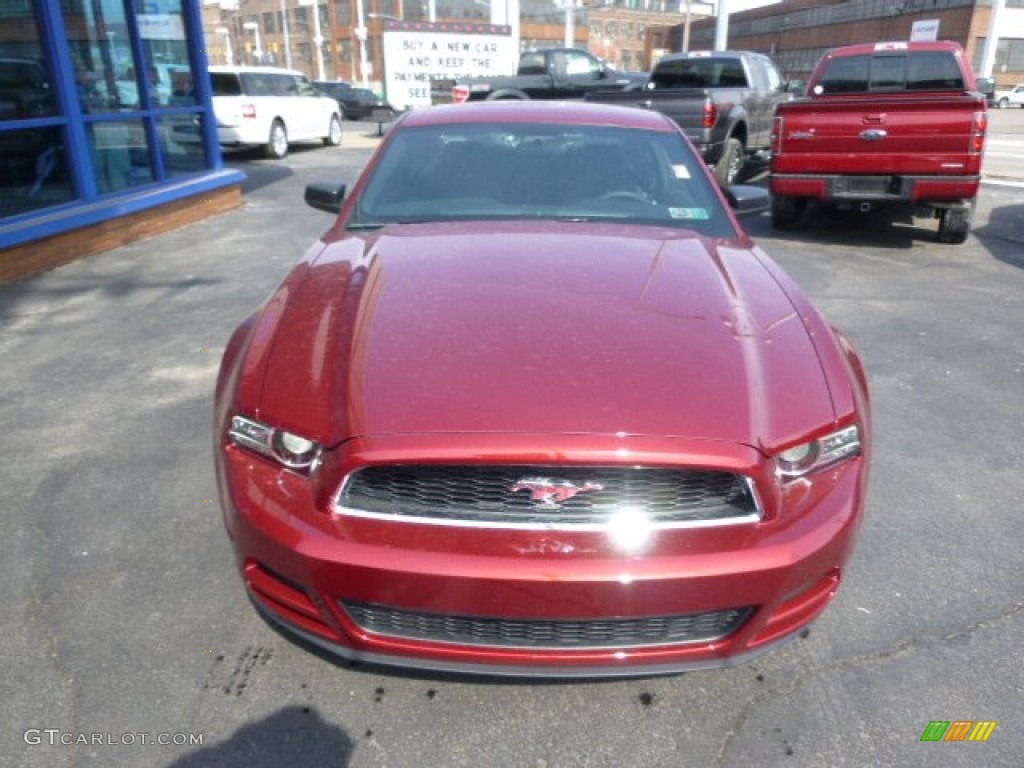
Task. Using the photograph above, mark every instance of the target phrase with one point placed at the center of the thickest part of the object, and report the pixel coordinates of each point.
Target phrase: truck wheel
(786, 211)
(277, 143)
(954, 224)
(729, 165)
(1004, 103)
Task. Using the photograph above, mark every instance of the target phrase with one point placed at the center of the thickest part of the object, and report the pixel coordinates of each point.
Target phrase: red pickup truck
(883, 124)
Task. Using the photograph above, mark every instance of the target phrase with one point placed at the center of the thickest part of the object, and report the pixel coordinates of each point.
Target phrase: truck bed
(685, 106)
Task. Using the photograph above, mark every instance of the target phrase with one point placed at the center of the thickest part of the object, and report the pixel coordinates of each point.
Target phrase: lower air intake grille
(546, 633)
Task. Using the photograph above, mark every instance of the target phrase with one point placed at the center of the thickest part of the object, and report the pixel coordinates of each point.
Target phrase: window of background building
(33, 160)
(1009, 55)
(469, 9)
(343, 10)
(269, 26)
(132, 106)
(1015, 55)
(111, 79)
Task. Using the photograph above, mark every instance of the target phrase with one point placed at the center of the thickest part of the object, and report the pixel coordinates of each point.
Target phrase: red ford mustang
(536, 405)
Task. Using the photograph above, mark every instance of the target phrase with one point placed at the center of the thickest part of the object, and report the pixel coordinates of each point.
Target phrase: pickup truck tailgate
(880, 135)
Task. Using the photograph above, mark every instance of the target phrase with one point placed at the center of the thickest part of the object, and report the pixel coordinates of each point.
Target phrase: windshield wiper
(380, 224)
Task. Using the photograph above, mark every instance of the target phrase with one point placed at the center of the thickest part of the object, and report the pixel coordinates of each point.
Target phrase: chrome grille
(547, 633)
(488, 494)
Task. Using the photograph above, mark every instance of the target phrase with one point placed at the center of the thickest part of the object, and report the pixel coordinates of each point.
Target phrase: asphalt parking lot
(126, 617)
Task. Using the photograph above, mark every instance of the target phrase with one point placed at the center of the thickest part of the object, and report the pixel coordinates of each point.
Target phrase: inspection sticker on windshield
(689, 213)
(681, 171)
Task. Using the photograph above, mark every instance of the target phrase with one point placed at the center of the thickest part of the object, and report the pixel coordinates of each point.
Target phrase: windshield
(540, 171)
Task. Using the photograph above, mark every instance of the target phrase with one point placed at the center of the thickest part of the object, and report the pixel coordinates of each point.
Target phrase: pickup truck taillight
(460, 94)
(978, 128)
(776, 137)
(248, 110)
(710, 114)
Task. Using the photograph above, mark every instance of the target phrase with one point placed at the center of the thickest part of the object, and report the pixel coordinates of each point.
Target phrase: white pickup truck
(1010, 97)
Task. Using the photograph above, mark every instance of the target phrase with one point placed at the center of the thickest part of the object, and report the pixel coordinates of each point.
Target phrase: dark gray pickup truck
(551, 73)
(723, 100)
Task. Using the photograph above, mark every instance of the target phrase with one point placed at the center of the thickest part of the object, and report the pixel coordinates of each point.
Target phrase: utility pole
(988, 51)
(361, 36)
(722, 26)
(686, 28)
(287, 42)
(318, 38)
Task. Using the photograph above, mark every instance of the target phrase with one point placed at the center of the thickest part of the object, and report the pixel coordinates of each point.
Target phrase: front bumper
(314, 573)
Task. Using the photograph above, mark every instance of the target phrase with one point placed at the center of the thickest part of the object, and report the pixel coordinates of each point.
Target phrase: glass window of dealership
(100, 112)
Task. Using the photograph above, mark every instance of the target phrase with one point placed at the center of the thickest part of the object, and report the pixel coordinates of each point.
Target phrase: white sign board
(161, 26)
(415, 52)
(925, 29)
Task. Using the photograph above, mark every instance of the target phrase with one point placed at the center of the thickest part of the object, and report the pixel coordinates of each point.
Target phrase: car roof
(554, 112)
(730, 54)
(895, 46)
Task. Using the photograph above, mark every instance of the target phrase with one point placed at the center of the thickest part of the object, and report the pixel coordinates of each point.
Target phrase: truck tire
(954, 224)
(729, 165)
(1004, 103)
(786, 211)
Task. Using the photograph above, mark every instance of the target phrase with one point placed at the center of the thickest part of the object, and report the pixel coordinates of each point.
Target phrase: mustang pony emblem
(552, 492)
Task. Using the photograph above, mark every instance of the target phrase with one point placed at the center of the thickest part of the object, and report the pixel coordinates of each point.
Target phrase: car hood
(541, 328)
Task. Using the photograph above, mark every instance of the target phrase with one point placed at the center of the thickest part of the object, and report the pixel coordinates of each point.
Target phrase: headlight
(289, 449)
(816, 454)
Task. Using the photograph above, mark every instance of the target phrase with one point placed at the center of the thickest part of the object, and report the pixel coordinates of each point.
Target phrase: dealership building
(798, 32)
(106, 133)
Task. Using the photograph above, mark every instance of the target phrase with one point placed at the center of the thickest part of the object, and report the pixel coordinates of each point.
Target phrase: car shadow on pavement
(295, 736)
(1001, 235)
(259, 171)
(892, 228)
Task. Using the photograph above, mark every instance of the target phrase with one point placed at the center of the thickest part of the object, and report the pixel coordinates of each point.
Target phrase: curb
(361, 140)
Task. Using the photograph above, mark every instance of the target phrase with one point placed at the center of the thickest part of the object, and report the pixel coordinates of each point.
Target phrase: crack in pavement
(34, 613)
(812, 673)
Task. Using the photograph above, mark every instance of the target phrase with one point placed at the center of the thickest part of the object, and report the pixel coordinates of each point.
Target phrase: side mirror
(325, 196)
(746, 199)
